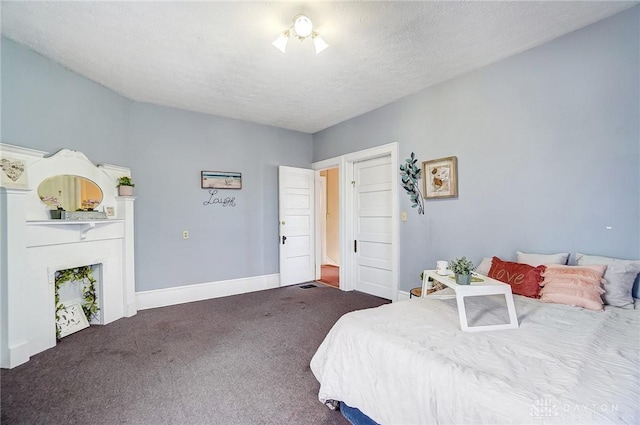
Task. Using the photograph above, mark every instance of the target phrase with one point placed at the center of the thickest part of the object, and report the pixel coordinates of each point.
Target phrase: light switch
(403, 216)
(185, 234)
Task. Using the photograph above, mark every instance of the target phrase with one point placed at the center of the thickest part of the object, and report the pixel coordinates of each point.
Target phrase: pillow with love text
(523, 278)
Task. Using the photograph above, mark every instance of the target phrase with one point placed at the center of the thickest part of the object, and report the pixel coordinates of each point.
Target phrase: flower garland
(84, 275)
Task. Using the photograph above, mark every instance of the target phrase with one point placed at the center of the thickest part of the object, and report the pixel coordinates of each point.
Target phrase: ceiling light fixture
(302, 29)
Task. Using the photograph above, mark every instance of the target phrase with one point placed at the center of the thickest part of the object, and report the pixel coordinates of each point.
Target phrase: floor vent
(311, 285)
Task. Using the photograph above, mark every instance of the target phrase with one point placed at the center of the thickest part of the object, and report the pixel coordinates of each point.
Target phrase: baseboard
(204, 291)
(15, 355)
(330, 262)
(403, 295)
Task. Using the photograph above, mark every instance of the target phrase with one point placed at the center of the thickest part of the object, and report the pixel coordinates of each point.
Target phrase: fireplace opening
(77, 298)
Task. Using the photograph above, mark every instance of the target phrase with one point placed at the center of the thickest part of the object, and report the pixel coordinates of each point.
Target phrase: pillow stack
(594, 282)
(619, 278)
(574, 285)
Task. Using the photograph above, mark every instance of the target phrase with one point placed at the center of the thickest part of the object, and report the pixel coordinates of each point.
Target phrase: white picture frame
(72, 319)
(13, 173)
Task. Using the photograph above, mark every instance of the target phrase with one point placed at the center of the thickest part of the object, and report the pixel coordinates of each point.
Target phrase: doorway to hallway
(329, 214)
(368, 235)
(330, 275)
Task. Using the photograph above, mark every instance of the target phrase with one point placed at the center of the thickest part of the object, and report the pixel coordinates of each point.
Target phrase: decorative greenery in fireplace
(83, 275)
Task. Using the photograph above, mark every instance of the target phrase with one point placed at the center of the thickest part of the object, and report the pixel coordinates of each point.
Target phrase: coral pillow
(572, 285)
(593, 272)
(523, 278)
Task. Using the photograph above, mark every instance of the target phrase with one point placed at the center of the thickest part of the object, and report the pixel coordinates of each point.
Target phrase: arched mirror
(71, 193)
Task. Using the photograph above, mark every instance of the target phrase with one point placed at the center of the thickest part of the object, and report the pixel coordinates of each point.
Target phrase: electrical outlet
(185, 234)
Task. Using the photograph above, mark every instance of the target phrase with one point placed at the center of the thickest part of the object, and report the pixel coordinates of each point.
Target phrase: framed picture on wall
(220, 180)
(13, 173)
(440, 178)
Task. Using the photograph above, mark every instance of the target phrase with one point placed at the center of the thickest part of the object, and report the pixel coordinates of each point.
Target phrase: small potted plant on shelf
(125, 186)
(462, 268)
(52, 201)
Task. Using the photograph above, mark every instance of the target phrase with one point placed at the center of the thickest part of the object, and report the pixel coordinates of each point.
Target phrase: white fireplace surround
(33, 247)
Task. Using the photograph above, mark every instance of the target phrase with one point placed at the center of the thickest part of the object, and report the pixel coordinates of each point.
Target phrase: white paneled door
(297, 225)
(373, 227)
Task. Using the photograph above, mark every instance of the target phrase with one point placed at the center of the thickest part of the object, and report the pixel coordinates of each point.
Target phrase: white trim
(21, 151)
(326, 164)
(345, 165)
(115, 169)
(403, 296)
(322, 206)
(204, 291)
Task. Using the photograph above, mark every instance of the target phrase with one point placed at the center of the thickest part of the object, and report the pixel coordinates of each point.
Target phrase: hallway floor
(330, 275)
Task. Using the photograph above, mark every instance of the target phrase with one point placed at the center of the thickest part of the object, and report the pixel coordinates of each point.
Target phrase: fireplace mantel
(34, 247)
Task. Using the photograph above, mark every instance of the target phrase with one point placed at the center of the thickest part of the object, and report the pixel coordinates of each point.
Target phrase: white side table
(487, 287)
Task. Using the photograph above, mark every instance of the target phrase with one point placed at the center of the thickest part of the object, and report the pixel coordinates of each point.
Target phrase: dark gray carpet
(234, 360)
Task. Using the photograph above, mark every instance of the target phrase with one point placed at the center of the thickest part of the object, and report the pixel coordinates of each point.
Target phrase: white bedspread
(409, 363)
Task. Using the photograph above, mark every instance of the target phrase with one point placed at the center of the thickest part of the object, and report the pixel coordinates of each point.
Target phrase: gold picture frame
(440, 178)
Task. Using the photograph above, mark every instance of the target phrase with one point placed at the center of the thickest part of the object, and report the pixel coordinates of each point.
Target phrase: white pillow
(484, 266)
(538, 259)
(620, 276)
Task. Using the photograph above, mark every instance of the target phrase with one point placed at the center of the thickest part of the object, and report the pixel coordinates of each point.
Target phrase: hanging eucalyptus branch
(84, 275)
(410, 175)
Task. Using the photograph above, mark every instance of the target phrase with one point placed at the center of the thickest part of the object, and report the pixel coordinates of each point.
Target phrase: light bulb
(303, 26)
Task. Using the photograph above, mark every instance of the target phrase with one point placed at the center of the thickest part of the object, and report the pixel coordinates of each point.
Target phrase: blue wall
(168, 149)
(548, 144)
(548, 147)
(47, 107)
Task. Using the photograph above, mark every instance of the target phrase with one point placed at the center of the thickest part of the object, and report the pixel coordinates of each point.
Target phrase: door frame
(321, 209)
(347, 211)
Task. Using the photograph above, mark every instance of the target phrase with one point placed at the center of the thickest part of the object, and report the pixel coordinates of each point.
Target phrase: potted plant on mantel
(462, 268)
(125, 186)
(52, 201)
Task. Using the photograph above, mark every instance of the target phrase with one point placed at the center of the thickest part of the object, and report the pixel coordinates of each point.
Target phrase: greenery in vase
(84, 275)
(125, 181)
(461, 266)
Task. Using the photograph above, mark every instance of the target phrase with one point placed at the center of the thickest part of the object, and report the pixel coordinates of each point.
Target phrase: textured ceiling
(217, 57)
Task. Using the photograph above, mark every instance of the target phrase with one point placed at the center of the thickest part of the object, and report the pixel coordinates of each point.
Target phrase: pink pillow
(571, 285)
(523, 278)
(594, 272)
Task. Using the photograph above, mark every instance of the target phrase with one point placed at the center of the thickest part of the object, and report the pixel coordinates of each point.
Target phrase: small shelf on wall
(66, 222)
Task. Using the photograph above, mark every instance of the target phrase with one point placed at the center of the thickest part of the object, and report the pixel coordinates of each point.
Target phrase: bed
(409, 363)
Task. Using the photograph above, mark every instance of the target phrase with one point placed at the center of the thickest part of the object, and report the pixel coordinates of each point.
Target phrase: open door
(297, 225)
